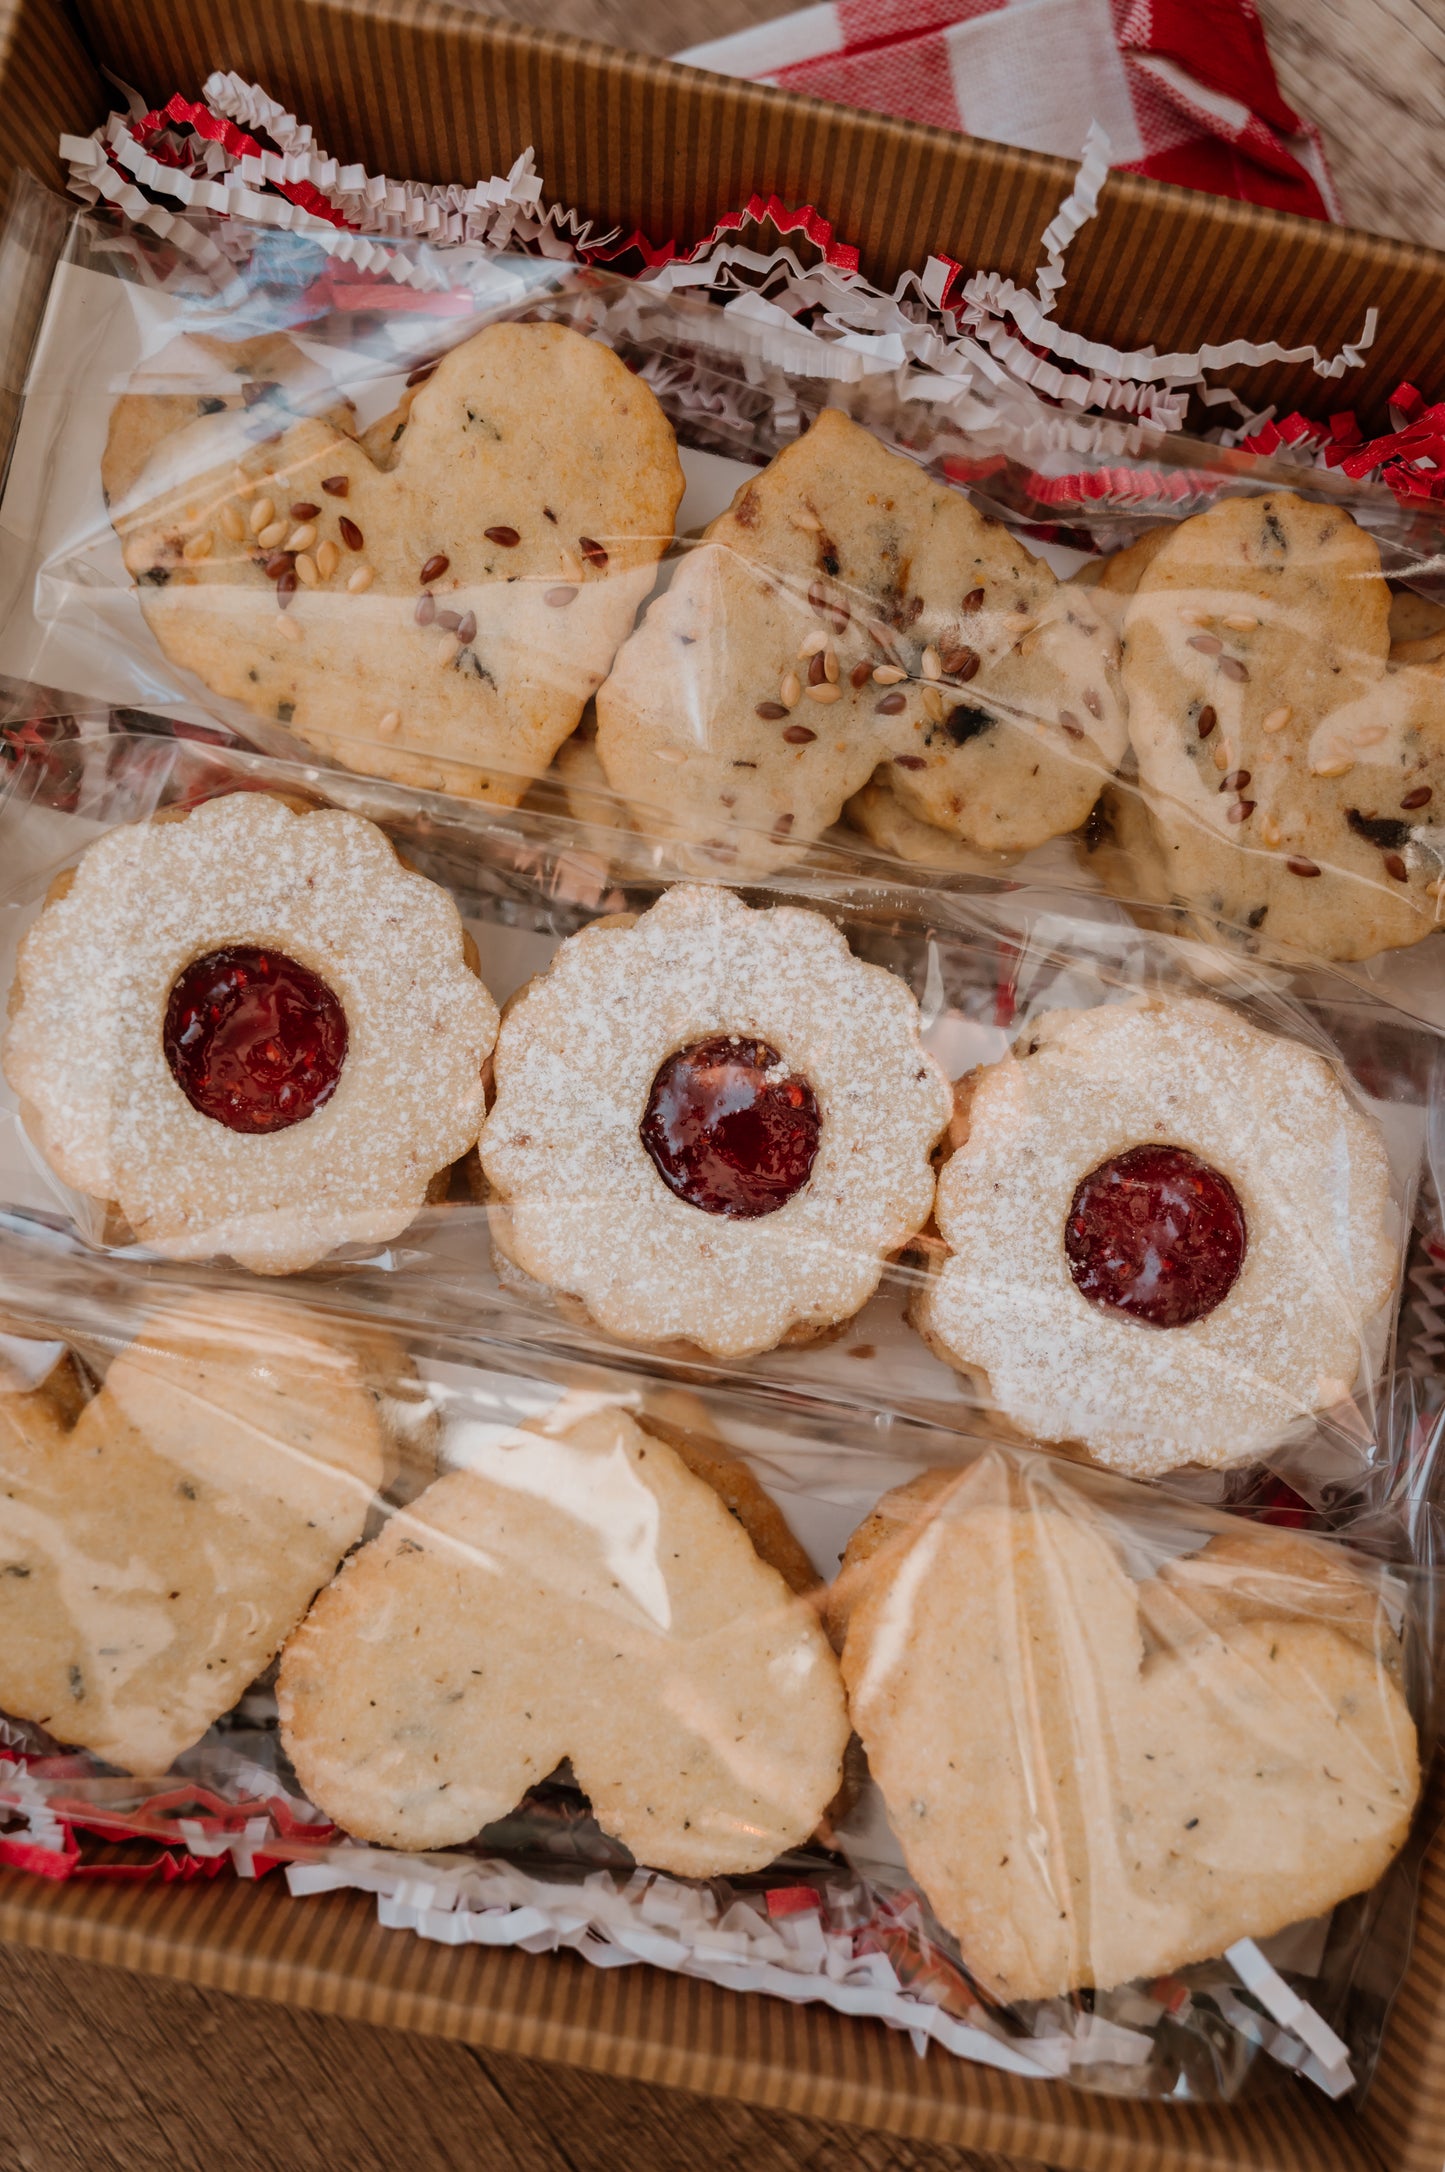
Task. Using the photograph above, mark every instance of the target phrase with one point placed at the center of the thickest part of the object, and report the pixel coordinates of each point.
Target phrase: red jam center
(729, 1129)
(254, 1039)
(1157, 1234)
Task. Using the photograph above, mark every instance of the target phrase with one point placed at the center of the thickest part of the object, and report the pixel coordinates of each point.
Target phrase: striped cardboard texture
(47, 83)
(1404, 2113)
(425, 88)
(330, 1954)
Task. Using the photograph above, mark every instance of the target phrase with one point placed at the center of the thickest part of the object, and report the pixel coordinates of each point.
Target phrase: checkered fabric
(1185, 89)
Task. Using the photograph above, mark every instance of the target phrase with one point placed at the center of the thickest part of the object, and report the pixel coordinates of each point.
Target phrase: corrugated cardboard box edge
(422, 88)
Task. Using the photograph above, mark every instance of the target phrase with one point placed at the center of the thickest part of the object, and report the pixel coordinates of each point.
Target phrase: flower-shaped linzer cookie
(1169, 1235)
(253, 1030)
(712, 1124)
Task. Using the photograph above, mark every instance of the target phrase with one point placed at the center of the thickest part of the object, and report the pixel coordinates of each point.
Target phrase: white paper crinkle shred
(26, 1799)
(613, 1920)
(650, 1918)
(1327, 2059)
(1076, 210)
(992, 354)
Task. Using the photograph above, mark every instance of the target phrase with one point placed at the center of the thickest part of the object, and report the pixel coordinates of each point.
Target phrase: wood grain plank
(103, 2071)
(1372, 74)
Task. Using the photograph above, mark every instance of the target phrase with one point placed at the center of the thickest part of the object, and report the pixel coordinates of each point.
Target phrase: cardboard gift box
(424, 89)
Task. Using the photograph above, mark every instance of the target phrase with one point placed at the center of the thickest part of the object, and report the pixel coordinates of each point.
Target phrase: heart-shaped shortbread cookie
(576, 1593)
(160, 1541)
(1294, 774)
(442, 621)
(847, 612)
(1095, 1779)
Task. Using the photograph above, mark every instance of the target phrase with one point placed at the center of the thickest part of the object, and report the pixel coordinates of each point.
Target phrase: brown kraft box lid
(433, 91)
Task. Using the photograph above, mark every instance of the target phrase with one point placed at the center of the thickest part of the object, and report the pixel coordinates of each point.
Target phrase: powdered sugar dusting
(85, 1053)
(1313, 1179)
(586, 1212)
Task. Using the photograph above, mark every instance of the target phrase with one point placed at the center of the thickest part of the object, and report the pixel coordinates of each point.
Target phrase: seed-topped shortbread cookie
(846, 612)
(888, 822)
(1120, 573)
(1417, 628)
(574, 1592)
(1096, 1779)
(442, 621)
(712, 1124)
(880, 815)
(159, 1541)
(1414, 617)
(1291, 771)
(252, 1029)
(1169, 1235)
(256, 387)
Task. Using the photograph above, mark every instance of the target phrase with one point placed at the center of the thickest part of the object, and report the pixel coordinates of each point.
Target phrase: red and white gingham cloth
(1185, 89)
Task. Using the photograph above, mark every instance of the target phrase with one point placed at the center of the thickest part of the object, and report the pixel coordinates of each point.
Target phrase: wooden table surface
(101, 2071)
(106, 2072)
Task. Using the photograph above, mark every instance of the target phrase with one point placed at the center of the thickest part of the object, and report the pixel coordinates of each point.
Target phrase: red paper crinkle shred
(1409, 460)
(179, 112)
(155, 1818)
(791, 1900)
(169, 1867)
(759, 210)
